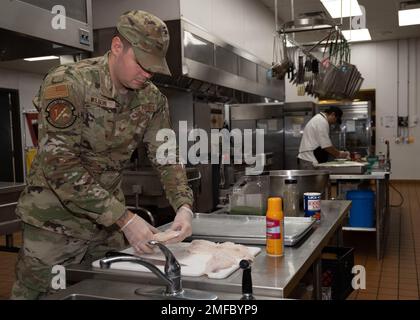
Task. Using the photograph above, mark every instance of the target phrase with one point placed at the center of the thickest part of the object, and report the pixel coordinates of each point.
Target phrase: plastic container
(249, 196)
(362, 208)
(275, 228)
(291, 198)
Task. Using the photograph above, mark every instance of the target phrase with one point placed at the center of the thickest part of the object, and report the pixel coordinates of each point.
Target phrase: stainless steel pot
(307, 181)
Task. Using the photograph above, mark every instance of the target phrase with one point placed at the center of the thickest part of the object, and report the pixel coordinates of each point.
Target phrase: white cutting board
(339, 164)
(192, 265)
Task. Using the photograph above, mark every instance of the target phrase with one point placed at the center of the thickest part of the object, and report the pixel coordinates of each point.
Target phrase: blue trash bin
(362, 208)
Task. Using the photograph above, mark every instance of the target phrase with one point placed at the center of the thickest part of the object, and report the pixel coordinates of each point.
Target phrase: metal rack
(382, 201)
(329, 77)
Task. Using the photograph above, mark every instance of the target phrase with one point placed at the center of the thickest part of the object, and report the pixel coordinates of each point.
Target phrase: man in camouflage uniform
(91, 115)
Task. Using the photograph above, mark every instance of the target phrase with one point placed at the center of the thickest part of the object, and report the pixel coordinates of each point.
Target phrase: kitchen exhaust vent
(205, 64)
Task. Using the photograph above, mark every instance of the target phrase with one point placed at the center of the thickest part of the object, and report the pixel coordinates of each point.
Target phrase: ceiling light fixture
(41, 58)
(409, 13)
(342, 8)
(409, 17)
(357, 35)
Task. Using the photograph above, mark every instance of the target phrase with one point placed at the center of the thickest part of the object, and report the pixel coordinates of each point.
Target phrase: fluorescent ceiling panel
(342, 8)
(357, 35)
(41, 58)
(409, 17)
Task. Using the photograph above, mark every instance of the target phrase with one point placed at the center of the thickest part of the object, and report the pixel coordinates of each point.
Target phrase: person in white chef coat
(316, 146)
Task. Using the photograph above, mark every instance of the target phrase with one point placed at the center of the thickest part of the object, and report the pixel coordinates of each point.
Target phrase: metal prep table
(382, 201)
(9, 222)
(273, 278)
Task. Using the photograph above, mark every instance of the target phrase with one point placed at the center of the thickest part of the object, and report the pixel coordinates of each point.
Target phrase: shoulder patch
(56, 91)
(61, 113)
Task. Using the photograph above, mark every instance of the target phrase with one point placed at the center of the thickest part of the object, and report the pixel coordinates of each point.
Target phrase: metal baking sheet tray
(347, 167)
(245, 229)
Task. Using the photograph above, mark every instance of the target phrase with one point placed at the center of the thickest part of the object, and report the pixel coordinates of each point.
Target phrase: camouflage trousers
(42, 249)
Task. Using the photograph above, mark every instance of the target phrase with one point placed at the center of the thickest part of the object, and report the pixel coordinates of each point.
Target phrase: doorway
(11, 160)
(370, 95)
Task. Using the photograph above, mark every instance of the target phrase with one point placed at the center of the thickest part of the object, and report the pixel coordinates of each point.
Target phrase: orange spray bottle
(275, 227)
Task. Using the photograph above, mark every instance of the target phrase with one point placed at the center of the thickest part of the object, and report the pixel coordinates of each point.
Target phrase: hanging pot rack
(332, 76)
(308, 24)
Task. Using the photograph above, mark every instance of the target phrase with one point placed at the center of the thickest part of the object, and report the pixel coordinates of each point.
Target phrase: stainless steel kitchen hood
(205, 64)
(27, 28)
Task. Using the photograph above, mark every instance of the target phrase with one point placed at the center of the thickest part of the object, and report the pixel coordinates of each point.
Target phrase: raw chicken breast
(237, 250)
(165, 236)
(219, 261)
(203, 247)
(224, 255)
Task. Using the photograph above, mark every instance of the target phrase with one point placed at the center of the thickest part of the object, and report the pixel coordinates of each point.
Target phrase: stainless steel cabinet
(32, 20)
(296, 116)
(266, 116)
(9, 222)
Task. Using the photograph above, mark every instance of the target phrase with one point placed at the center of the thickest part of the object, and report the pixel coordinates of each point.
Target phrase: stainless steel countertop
(376, 175)
(271, 277)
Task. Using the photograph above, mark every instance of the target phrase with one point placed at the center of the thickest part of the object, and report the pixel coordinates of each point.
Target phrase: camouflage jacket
(87, 133)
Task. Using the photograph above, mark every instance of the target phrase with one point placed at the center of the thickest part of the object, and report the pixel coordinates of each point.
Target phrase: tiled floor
(397, 276)
(7, 267)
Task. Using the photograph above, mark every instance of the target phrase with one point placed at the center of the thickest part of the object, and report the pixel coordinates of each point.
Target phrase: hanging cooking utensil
(295, 64)
(315, 71)
(308, 70)
(301, 77)
(321, 86)
(344, 72)
(275, 63)
(282, 64)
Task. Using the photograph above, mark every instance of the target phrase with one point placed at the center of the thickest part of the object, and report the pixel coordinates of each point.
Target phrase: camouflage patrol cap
(149, 38)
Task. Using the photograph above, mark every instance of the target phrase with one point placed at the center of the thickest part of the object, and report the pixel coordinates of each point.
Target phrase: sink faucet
(171, 277)
(246, 280)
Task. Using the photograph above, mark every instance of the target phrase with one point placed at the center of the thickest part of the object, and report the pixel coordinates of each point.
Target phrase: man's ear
(117, 45)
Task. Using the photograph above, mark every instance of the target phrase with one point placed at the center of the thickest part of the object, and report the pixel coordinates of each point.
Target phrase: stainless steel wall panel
(19, 16)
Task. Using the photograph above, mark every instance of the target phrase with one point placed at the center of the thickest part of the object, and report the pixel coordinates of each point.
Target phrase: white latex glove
(344, 155)
(138, 232)
(182, 224)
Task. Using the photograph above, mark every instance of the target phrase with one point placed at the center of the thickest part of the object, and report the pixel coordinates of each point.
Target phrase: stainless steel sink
(75, 296)
(98, 289)
(95, 289)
